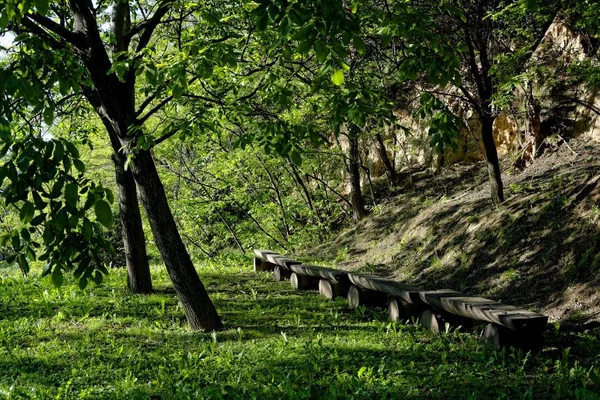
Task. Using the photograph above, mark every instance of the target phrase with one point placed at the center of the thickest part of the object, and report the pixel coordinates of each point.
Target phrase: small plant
(342, 254)
(510, 275)
(594, 216)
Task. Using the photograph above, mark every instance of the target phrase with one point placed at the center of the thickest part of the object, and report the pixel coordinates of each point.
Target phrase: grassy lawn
(105, 343)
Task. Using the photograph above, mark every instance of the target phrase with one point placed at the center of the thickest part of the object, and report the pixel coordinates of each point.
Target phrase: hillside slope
(539, 250)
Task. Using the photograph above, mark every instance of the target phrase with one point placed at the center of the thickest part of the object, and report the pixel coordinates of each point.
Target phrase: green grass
(105, 343)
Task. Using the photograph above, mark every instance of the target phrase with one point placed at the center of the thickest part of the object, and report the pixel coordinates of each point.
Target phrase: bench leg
(331, 290)
(280, 273)
(303, 282)
(432, 320)
(499, 336)
(399, 309)
(262, 265)
(363, 297)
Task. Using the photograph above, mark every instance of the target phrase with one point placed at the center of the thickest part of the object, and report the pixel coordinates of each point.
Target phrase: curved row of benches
(505, 325)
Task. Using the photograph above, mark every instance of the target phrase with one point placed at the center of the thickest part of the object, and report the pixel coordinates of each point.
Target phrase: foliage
(55, 207)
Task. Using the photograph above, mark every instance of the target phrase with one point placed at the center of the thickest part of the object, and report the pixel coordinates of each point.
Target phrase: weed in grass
(342, 254)
(104, 343)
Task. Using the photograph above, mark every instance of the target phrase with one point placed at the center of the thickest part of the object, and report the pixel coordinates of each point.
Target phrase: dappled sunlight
(103, 342)
(531, 251)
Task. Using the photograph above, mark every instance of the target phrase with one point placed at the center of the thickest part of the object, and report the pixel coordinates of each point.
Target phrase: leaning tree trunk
(116, 107)
(390, 171)
(199, 309)
(139, 279)
(357, 200)
(493, 165)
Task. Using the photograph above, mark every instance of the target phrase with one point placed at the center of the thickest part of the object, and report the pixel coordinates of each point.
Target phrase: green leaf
(49, 115)
(48, 236)
(25, 235)
(97, 277)
(321, 50)
(262, 21)
(72, 149)
(71, 194)
(23, 264)
(83, 283)
(42, 6)
(73, 221)
(87, 229)
(59, 151)
(47, 268)
(57, 277)
(37, 199)
(359, 45)
(103, 213)
(57, 188)
(26, 214)
(296, 158)
(16, 242)
(38, 220)
(79, 165)
(337, 77)
(110, 197)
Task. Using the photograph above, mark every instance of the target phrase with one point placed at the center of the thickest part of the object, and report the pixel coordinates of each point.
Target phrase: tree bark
(357, 200)
(134, 242)
(139, 279)
(390, 171)
(493, 165)
(199, 309)
(533, 126)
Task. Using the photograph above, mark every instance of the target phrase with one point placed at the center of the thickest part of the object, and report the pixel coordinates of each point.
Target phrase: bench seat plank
(281, 261)
(261, 253)
(333, 275)
(384, 285)
(484, 309)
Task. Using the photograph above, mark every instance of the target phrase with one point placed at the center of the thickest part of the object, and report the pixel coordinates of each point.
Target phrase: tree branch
(151, 24)
(67, 35)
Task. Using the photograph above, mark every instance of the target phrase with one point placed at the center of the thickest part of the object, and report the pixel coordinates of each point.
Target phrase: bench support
(364, 297)
(400, 310)
(331, 290)
(262, 265)
(280, 273)
(499, 336)
(304, 282)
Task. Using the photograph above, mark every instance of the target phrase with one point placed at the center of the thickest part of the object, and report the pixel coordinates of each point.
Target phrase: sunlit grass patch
(103, 342)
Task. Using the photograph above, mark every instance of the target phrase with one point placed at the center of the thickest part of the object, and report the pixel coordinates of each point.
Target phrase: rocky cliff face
(567, 108)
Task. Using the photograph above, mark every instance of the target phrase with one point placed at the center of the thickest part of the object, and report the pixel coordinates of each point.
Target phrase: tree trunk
(390, 171)
(199, 309)
(134, 242)
(493, 165)
(114, 101)
(358, 203)
(300, 182)
(533, 125)
(139, 279)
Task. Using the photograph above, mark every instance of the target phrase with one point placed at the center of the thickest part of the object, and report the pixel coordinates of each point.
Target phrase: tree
(455, 49)
(71, 33)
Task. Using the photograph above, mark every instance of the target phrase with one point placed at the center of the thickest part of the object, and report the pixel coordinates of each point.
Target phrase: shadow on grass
(539, 250)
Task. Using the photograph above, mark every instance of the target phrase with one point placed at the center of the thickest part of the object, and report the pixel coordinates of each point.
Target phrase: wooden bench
(260, 260)
(330, 282)
(371, 290)
(267, 260)
(507, 325)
